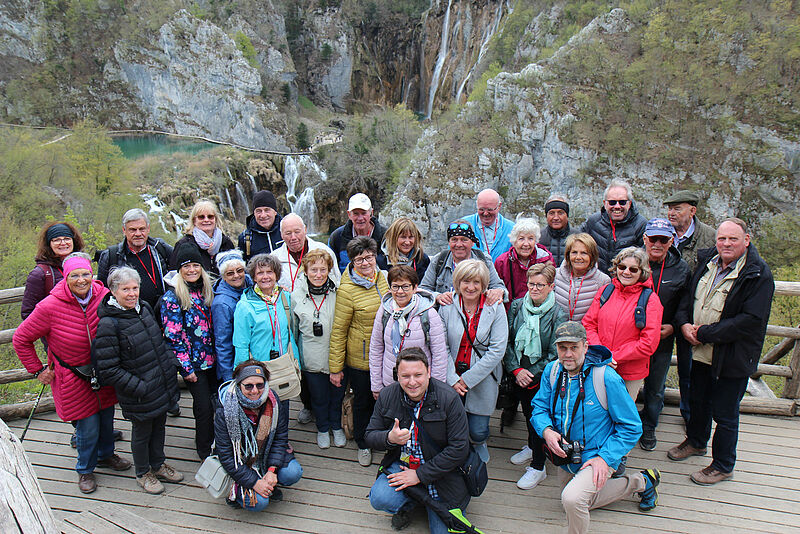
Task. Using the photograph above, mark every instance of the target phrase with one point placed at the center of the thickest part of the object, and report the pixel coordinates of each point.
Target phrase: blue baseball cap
(659, 226)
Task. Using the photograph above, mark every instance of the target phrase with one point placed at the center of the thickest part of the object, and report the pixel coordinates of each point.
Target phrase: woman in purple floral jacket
(186, 315)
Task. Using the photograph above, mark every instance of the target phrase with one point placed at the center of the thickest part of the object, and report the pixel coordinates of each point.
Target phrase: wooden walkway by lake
(763, 497)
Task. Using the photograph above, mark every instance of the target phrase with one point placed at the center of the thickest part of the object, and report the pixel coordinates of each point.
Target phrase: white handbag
(213, 477)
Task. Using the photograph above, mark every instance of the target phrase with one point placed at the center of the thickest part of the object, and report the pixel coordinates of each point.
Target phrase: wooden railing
(761, 400)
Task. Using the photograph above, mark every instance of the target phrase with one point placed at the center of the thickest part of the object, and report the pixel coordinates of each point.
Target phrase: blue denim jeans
(326, 401)
(286, 477)
(717, 399)
(654, 388)
(94, 436)
(385, 498)
(478, 427)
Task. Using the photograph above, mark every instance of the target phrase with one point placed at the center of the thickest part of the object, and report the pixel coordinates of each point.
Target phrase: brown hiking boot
(150, 483)
(684, 450)
(708, 476)
(167, 473)
(115, 462)
(87, 482)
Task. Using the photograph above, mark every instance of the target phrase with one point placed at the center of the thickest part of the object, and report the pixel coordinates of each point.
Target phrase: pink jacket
(519, 276)
(69, 331)
(612, 325)
(381, 353)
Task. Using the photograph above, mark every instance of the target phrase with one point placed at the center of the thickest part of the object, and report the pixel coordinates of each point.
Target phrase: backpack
(248, 239)
(423, 319)
(49, 277)
(598, 381)
(640, 312)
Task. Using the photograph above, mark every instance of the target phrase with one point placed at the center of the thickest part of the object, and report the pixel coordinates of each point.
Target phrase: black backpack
(640, 312)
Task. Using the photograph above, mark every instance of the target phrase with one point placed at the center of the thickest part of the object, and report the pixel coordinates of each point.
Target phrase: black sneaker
(277, 495)
(648, 440)
(621, 469)
(650, 494)
(508, 416)
(401, 519)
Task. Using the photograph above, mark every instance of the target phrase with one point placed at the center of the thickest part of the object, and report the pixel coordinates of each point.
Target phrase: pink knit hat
(75, 262)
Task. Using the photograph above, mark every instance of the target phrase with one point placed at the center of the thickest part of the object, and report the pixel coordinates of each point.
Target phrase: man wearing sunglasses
(491, 228)
(617, 225)
(670, 281)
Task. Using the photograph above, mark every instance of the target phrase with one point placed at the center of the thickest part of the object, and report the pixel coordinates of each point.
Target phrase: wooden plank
(6, 335)
(750, 405)
(23, 409)
(14, 375)
(791, 289)
(763, 369)
(9, 296)
(91, 522)
(783, 331)
(126, 520)
(791, 390)
(780, 350)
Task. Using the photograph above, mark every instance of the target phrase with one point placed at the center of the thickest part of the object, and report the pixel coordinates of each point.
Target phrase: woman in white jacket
(313, 302)
(578, 278)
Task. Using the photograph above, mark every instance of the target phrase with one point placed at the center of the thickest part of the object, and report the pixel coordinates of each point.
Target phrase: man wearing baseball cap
(589, 422)
(670, 282)
(691, 235)
(361, 223)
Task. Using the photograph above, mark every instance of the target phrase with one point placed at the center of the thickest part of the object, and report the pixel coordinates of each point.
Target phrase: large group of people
(571, 323)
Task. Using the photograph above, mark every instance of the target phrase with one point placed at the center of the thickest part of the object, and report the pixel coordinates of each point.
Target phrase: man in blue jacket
(491, 228)
(589, 422)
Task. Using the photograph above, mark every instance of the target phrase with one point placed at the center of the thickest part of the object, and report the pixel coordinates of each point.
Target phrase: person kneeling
(252, 438)
(589, 435)
(421, 424)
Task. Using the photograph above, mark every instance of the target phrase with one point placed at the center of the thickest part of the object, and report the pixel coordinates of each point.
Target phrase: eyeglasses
(203, 216)
(403, 288)
(459, 226)
(364, 259)
(615, 202)
(61, 240)
(249, 387)
(533, 285)
(659, 239)
(240, 270)
(76, 276)
(488, 210)
(623, 268)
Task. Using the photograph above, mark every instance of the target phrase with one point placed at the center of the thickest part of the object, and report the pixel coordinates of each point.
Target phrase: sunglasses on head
(659, 239)
(615, 202)
(633, 270)
(459, 226)
(249, 387)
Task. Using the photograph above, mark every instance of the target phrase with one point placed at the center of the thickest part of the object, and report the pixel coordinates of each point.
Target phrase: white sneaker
(323, 440)
(522, 457)
(305, 416)
(365, 457)
(531, 478)
(339, 439)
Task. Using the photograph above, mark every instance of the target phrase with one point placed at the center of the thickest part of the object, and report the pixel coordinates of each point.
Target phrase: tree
(302, 136)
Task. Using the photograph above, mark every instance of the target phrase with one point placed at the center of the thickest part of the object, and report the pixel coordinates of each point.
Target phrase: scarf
(362, 281)
(271, 298)
(113, 302)
(401, 318)
(320, 290)
(85, 300)
(528, 338)
(209, 244)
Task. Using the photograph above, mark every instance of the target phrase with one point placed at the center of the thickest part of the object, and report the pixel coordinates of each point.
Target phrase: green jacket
(547, 328)
(704, 236)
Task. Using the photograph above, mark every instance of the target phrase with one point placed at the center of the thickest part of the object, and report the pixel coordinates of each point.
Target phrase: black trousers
(363, 403)
(535, 442)
(147, 444)
(204, 393)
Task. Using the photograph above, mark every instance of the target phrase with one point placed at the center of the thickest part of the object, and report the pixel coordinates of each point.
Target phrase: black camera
(461, 368)
(317, 326)
(274, 355)
(573, 451)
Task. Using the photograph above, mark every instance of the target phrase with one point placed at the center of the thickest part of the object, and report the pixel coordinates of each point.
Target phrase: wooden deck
(763, 497)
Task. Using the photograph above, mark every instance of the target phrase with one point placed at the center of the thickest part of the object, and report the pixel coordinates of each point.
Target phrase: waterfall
(180, 223)
(242, 199)
(306, 208)
(230, 204)
(252, 182)
(491, 30)
(290, 173)
(305, 205)
(437, 71)
(156, 206)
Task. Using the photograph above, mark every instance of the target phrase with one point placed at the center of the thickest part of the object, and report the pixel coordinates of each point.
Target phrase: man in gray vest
(692, 234)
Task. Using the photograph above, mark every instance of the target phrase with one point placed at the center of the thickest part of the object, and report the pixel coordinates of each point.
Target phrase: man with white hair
(491, 228)
(138, 250)
(295, 245)
(617, 225)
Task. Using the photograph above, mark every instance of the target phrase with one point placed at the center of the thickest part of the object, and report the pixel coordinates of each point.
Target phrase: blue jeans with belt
(94, 436)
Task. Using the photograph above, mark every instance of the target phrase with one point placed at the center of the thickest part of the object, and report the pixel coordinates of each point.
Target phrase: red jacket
(69, 332)
(508, 261)
(613, 325)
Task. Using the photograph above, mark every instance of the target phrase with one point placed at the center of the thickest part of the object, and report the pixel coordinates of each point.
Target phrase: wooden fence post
(792, 388)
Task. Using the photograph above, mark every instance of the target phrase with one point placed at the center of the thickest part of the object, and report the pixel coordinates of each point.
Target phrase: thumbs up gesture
(397, 435)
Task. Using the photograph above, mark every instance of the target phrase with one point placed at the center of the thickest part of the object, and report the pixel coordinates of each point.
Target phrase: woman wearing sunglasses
(204, 233)
(227, 292)
(252, 430)
(613, 324)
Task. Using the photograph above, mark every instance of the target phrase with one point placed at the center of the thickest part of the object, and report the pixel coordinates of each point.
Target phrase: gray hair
(636, 253)
(264, 261)
(619, 183)
(122, 275)
(525, 226)
(135, 214)
(83, 255)
(291, 216)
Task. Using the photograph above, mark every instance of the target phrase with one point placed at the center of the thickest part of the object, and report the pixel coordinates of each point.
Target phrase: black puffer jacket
(207, 261)
(613, 238)
(670, 285)
(445, 421)
(131, 356)
(556, 241)
(739, 334)
(344, 234)
(262, 240)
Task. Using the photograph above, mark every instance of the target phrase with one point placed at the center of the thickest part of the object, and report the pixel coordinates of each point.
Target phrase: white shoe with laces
(323, 440)
(339, 439)
(522, 457)
(531, 478)
(365, 457)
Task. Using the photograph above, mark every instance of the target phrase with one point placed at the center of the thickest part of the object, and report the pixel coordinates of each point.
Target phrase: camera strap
(563, 385)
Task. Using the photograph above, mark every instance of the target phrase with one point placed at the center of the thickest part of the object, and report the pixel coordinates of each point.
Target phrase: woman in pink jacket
(613, 325)
(67, 319)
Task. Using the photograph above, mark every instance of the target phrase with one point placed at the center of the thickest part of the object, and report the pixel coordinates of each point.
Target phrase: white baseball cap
(359, 201)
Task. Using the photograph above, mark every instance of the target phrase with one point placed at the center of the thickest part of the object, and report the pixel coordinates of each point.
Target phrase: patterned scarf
(270, 299)
(401, 318)
(527, 340)
(211, 244)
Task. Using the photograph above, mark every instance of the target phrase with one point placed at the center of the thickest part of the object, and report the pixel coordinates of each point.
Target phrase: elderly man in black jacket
(421, 424)
(617, 225)
(724, 316)
(670, 279)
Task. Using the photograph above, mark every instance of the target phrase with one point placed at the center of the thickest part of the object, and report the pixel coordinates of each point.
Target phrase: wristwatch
(40, 371)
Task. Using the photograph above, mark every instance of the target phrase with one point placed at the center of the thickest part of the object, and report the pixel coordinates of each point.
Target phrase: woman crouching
(252, 438)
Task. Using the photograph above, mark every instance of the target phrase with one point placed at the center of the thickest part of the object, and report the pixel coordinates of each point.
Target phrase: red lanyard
(317, 308)
(494, 237)
(152, 277)
(570, 304)
(289, 259)
(660, 276)
(275, 330)
(613, 229)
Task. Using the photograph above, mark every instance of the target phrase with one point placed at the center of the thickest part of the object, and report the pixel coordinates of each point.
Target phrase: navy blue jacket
(262, 241)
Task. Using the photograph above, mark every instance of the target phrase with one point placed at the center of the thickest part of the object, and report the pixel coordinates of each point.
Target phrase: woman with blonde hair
(578, 278)
(402, 245)
(186, 316)
(204, 234)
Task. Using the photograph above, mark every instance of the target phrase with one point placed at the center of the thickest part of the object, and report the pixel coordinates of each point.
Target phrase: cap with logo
(571, 331)
(659, 226)
(359, 201)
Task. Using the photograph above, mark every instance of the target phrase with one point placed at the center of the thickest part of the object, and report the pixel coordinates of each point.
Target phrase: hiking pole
(30, 417)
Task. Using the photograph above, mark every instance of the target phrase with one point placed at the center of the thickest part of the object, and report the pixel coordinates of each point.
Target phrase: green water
(137, 146)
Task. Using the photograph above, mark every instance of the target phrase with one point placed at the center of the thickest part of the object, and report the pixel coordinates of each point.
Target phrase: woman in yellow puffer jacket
(359, 297)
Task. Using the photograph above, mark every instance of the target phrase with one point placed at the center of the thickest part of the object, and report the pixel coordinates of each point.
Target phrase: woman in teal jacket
(261, 320)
